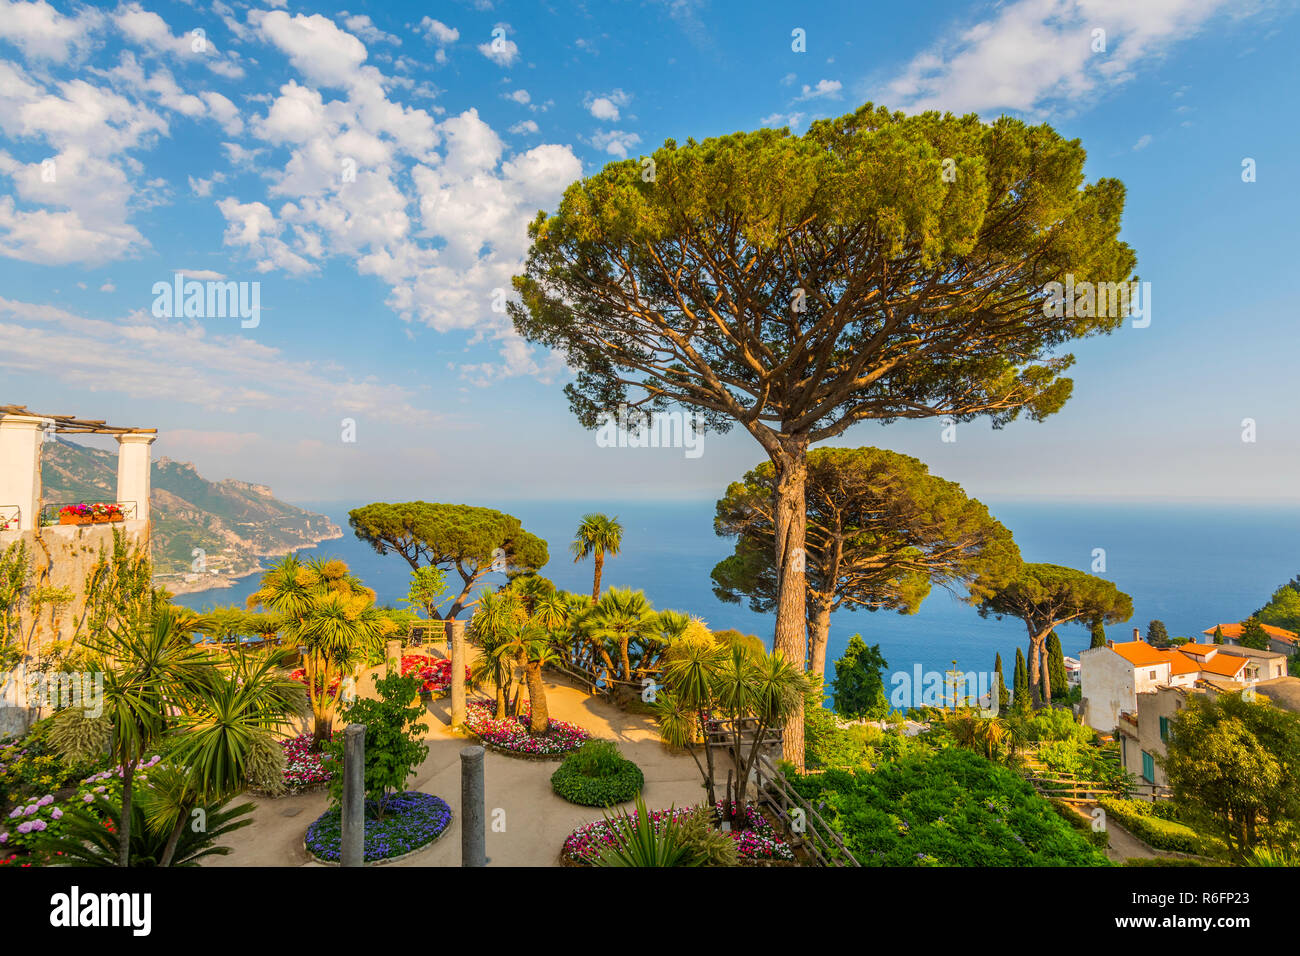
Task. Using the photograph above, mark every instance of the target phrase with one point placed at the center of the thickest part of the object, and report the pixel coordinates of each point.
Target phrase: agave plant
(636, 841)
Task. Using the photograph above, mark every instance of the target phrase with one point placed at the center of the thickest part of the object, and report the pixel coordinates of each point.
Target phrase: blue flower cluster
(411, 820)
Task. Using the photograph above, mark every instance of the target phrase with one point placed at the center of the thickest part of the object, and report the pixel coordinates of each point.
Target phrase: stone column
(133, 467)
(354, 796)
(456, 646)
(473, 816)
(20, 468)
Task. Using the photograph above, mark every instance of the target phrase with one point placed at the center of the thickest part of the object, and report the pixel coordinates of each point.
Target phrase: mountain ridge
(229, 524)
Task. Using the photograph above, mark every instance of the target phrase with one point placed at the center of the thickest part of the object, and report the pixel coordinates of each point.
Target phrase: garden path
(533, 820)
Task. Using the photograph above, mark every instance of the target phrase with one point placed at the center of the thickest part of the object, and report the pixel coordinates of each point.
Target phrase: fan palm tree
(597, 535)
(619, 617)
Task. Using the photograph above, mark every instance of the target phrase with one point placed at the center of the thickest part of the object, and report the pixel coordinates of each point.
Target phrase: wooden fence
(804, 827)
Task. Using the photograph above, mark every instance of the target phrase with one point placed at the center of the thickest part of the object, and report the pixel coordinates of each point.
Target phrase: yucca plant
(637, 842)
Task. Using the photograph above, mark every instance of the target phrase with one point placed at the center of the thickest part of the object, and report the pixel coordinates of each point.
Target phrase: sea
(1191, 565)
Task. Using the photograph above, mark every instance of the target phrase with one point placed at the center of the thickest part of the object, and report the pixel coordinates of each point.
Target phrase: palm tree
(597, 535)
(619, 617)
(329, 614)
(232, 722)
(489, 628)
(151, 671)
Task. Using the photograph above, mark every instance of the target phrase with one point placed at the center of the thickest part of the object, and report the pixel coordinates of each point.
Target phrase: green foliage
(946, 807)
(79, 737)
(34, 766)
(1098, 634)
(1004, 695)
(856, 213)
(636, 841)
(881, 532)
(596, 758)
(1020, 693)
(1253, 634)
(752, 643)
(85, 840)
(859, 685)
(709, 845)
(828, 745)
(470, 540)
(1283, 608)
(1218, 634)
(428, 590)
(1056, 667)
(597, 775)
(394, 749)
(1159, 833)
(1157, 633)
(15, 576)
(1232, 764)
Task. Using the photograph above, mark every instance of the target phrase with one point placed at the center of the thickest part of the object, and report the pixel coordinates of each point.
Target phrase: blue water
(1189, 565)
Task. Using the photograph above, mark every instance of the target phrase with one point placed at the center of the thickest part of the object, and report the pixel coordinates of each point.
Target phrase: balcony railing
(11, 517)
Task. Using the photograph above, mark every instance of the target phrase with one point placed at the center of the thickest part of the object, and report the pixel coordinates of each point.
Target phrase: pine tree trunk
(791, 638)
(818, 637)
(1036, 642)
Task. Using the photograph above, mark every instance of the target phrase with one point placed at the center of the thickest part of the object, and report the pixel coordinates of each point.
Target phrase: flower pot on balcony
(117, 517)
(99, 519)
(74, 519)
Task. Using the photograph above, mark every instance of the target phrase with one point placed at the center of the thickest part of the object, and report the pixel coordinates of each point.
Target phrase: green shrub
(710, 845)
(1140, 818)
(1081, 822)
(597, 758)
(828, 745)
(597, 775)
(945, 807)
(394, 746)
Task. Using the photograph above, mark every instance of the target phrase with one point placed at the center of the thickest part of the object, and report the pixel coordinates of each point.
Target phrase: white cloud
(616, 142)
(607, 106)
(1143, 142)
(208, 363)
(519, 96)
(500, 50)
(1029, 52)
(435, 31)
(365, 28)
(777, 120)
(149, 31)
(42, 33)
(823, 88)
(526, 126)
(108, 286)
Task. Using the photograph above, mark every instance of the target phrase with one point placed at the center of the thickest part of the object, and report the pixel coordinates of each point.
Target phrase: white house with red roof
(1280, 640)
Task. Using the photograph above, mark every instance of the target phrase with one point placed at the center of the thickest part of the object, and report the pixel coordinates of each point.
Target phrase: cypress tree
(1004, 695)
(1020, 683)
(1098, 634)
(1218, 634)
(1056, 666)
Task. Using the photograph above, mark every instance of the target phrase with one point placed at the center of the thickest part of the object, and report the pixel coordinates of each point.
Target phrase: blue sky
(132, 147)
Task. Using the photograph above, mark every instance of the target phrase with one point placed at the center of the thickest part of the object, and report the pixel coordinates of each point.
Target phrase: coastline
(176, 584)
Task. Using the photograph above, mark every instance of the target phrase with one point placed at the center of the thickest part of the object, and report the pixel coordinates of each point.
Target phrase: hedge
(1149, 825)
(573, 785)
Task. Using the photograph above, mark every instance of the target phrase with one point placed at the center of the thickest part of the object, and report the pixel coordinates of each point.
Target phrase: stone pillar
(473, 816)
(354, 796)
(20, 468)
(393, 657)
(456, 647)
(133, 467)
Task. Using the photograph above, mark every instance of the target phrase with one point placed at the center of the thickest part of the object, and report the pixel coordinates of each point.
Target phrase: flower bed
(510, 734)
(758, 844)
(411, 822)
(434, 671)
(300, 675)
(303, 769)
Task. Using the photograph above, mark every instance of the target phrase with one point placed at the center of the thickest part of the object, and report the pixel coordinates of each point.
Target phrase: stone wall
(59, 556)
